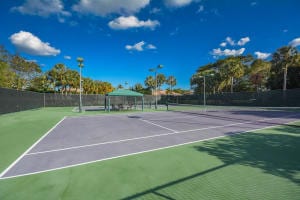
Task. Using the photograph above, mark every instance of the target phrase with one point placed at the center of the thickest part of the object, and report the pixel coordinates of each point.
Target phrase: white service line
(24, 154)
(159, 125)
(140, 152)
(145, 137)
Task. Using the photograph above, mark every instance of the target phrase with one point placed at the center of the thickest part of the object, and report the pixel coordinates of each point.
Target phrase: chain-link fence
(15, 100)
(272, 98)
(69, 100)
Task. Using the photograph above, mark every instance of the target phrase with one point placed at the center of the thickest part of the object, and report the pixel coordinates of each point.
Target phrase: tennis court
(86, 139)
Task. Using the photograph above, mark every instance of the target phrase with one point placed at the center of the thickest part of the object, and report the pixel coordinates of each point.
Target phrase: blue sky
(121, 39)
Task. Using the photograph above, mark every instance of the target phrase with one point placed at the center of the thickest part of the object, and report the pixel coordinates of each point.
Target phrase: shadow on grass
(156, 192)
(274, 153)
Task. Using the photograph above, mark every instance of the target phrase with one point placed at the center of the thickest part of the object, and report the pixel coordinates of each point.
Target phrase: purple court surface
(81, 140)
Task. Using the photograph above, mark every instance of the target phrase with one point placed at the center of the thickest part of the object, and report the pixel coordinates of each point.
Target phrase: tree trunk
(284, 77)
(231, 88)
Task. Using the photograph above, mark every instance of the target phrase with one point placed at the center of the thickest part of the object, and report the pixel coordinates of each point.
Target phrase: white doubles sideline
(173, 132)
(47, 133)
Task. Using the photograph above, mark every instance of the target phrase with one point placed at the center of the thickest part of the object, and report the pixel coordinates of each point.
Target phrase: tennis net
(201, 108)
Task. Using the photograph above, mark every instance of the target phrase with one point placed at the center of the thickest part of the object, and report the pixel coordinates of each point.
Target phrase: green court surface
(264, 164)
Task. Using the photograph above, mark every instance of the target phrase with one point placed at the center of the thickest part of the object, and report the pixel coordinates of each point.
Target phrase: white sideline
(68, 166)
(20, 157)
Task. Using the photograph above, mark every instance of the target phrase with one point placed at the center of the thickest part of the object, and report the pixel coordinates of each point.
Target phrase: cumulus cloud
(243, 41)
(227, 52)
(177, 3)
(30, 44)
(151, 46)
(123, 23)
(136, 47)
(261, 55)
(43, 8)
(105, 7)
(223, 44)
(230, 41)
(140, 46)
(295, 42)
(67, 57)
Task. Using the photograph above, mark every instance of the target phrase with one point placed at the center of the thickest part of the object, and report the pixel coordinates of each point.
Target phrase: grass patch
(259, 165)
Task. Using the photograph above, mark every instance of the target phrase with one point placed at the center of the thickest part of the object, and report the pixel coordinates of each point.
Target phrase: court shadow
(276, 154)
(156, 191)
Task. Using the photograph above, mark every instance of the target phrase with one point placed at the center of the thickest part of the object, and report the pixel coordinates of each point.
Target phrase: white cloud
(243, 41)
(285, 30)
(105, 7)
(67, 57)
(136, 47)
(223, 44)
(200, 9)
(132, 22)
(140, 46)
(261, 55)
(230, 41)
(177, 3)
(295, 42)
(151, 46)
(29, 43)
(43, 8)
(228, 52)
(155, 11)
(253, 3)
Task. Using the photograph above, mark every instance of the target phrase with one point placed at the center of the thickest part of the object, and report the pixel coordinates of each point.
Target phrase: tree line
(18, 73)
(150, 83)
(245, 73)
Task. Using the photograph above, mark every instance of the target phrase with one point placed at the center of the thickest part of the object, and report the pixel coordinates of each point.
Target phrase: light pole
(155, 75)
(204, 87)
(80, 65)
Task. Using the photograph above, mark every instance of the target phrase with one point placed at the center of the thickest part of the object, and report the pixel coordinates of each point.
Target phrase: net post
(44, 99)
(142, 103)
(108, 103)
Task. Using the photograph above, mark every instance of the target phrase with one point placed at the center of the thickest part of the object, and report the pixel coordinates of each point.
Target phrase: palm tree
(259, 73)
(138, 87)
(171, 81)
(161, 79)
(150, 82)
(72, 80)
(120, 86)
(87, 85)
(57, 76)
(230, 68)
(282, 59)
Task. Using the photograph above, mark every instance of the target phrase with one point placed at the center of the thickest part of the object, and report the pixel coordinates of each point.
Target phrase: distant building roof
(165, 92)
